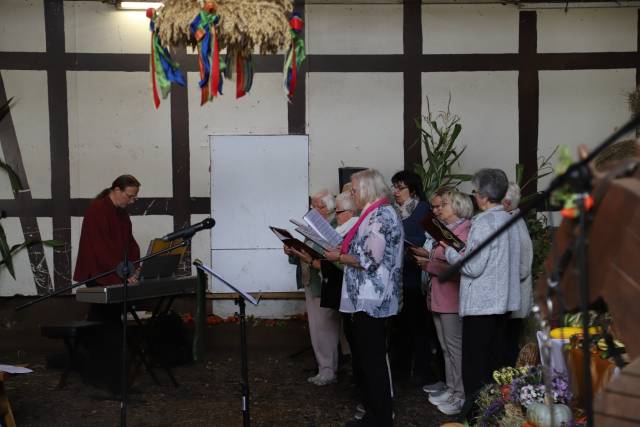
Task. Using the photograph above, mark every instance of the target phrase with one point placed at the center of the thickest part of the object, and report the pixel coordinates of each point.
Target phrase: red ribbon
(344, 248)
(215, 64)
(239, 76)
(156, 97)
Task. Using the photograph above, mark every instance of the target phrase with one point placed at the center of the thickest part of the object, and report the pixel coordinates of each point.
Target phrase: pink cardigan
(444, 297)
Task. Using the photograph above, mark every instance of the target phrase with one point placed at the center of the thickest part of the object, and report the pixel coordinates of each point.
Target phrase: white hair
(460, 203)
(513, 195)
(371, 185)
(327, 198)
(345, 201)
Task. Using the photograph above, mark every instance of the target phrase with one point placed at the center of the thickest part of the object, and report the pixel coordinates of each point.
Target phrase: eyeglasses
(436, 206)
(399, 187)
(130, 196)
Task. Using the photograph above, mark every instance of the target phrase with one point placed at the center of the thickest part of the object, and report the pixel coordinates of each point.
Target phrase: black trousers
(512, 347)
(483, 349)
(369, 334)
(415, 349)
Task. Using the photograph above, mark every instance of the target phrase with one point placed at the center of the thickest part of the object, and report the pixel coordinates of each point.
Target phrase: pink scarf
(344, 248)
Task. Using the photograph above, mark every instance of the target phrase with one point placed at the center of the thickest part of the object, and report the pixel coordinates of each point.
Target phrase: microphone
(188, 232)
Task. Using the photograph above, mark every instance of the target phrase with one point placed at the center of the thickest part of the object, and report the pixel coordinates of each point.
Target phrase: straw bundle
(244, 24)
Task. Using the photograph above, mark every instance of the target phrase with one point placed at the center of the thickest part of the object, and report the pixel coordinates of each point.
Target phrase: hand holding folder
(294, 243)
(440, 232)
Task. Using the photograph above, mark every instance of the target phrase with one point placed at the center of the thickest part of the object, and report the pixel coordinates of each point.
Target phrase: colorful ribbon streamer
(295, 55)
(244, 74)
(204, 30)
(164, 70)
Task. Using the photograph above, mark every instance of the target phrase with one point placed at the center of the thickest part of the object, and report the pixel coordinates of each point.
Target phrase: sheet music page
(323, 228)
(314, 237)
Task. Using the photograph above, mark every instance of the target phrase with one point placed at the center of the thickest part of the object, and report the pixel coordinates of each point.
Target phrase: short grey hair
(513, 195)
(460, 203)
(327, 198)
(491, 183)
(345, 200)
(371, 185)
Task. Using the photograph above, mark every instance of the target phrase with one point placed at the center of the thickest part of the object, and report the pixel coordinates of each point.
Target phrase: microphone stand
(578, 177)
(123, 270)
(244, 364)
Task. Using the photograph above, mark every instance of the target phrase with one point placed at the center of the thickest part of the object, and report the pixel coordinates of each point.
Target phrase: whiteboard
(256, 181)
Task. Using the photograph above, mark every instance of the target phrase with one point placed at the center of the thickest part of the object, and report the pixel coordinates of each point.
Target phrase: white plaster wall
(149, 227)
(269, 309)
(114, 129)
(487, 103)
(581, 107)
(354, 119)
(30, 115)
(262, 111)
(24, 283)
(587, 30)
(98, 27)
(456, 28)
(22, 26)
(354, 29)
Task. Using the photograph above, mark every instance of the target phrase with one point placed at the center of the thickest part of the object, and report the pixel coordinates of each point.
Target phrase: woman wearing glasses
(454, 209)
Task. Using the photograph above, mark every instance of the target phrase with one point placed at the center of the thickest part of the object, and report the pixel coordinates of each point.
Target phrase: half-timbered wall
(522, 82)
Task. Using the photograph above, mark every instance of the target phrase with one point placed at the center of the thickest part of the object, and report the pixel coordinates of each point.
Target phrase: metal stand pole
(244, 385)
(584, 308)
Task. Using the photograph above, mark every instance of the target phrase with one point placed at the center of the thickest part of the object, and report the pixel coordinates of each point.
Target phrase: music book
(322, 227)
(440, 232)
(308, 232)
(289, 240)
(164, 265)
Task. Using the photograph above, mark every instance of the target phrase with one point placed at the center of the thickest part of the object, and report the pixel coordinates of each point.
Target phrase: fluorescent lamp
(138, 5)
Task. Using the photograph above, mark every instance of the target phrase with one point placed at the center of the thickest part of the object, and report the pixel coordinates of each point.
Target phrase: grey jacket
(490, 282)
(526, 261)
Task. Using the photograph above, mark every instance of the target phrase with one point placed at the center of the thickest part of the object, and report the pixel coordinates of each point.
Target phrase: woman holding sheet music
(324, 323)
(443, 299)
(372, 253)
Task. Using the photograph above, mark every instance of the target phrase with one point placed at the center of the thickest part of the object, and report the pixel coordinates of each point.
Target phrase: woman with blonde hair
(372, 287)
(444, 301)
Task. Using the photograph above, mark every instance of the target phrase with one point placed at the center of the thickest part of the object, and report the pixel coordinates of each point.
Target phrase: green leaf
(6, 252)
(16, 185)
(4, 109)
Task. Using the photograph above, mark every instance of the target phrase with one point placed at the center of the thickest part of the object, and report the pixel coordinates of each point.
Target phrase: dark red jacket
(106, 234)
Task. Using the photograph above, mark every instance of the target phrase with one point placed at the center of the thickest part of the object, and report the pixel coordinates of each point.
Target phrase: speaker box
(344, 175)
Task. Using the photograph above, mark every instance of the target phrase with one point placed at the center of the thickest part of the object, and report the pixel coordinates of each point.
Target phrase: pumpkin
(539, 415)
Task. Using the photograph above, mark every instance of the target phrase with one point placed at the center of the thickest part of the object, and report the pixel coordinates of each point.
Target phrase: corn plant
(7, 252)
(438, 134)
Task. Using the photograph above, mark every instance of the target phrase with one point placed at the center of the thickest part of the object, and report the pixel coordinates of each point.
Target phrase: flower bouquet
(517, 396)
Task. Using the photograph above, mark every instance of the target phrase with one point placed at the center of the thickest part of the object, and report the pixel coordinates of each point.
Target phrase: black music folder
(289, 240)
(440, 232)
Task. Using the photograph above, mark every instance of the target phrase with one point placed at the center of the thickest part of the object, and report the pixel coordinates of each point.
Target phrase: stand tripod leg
(244, 364)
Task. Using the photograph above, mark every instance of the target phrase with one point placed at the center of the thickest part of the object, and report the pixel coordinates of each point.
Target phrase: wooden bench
(74, 334)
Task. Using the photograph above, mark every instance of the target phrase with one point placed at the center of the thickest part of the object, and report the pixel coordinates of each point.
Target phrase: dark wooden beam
(412, 82)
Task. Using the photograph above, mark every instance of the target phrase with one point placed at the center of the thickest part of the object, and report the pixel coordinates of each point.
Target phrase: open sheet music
(323, 228)
(310, 234)
(289, 240)
(440, 232)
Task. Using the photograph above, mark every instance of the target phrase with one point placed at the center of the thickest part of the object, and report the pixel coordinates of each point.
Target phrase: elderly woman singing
(487, 294)
(372, 254)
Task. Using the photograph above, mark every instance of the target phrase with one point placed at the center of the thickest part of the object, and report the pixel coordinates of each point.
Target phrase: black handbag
(331, 290)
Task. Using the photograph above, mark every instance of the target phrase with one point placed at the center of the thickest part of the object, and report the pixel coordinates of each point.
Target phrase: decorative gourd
(539, 415)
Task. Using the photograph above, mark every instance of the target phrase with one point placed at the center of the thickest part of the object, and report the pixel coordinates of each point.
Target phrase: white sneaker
(321, 380)
(440, 398)
(313, 378)
(432, 388)
(360, 412)
(453, 406)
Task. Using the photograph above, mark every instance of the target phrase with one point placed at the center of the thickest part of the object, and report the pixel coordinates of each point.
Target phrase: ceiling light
(138, 5)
